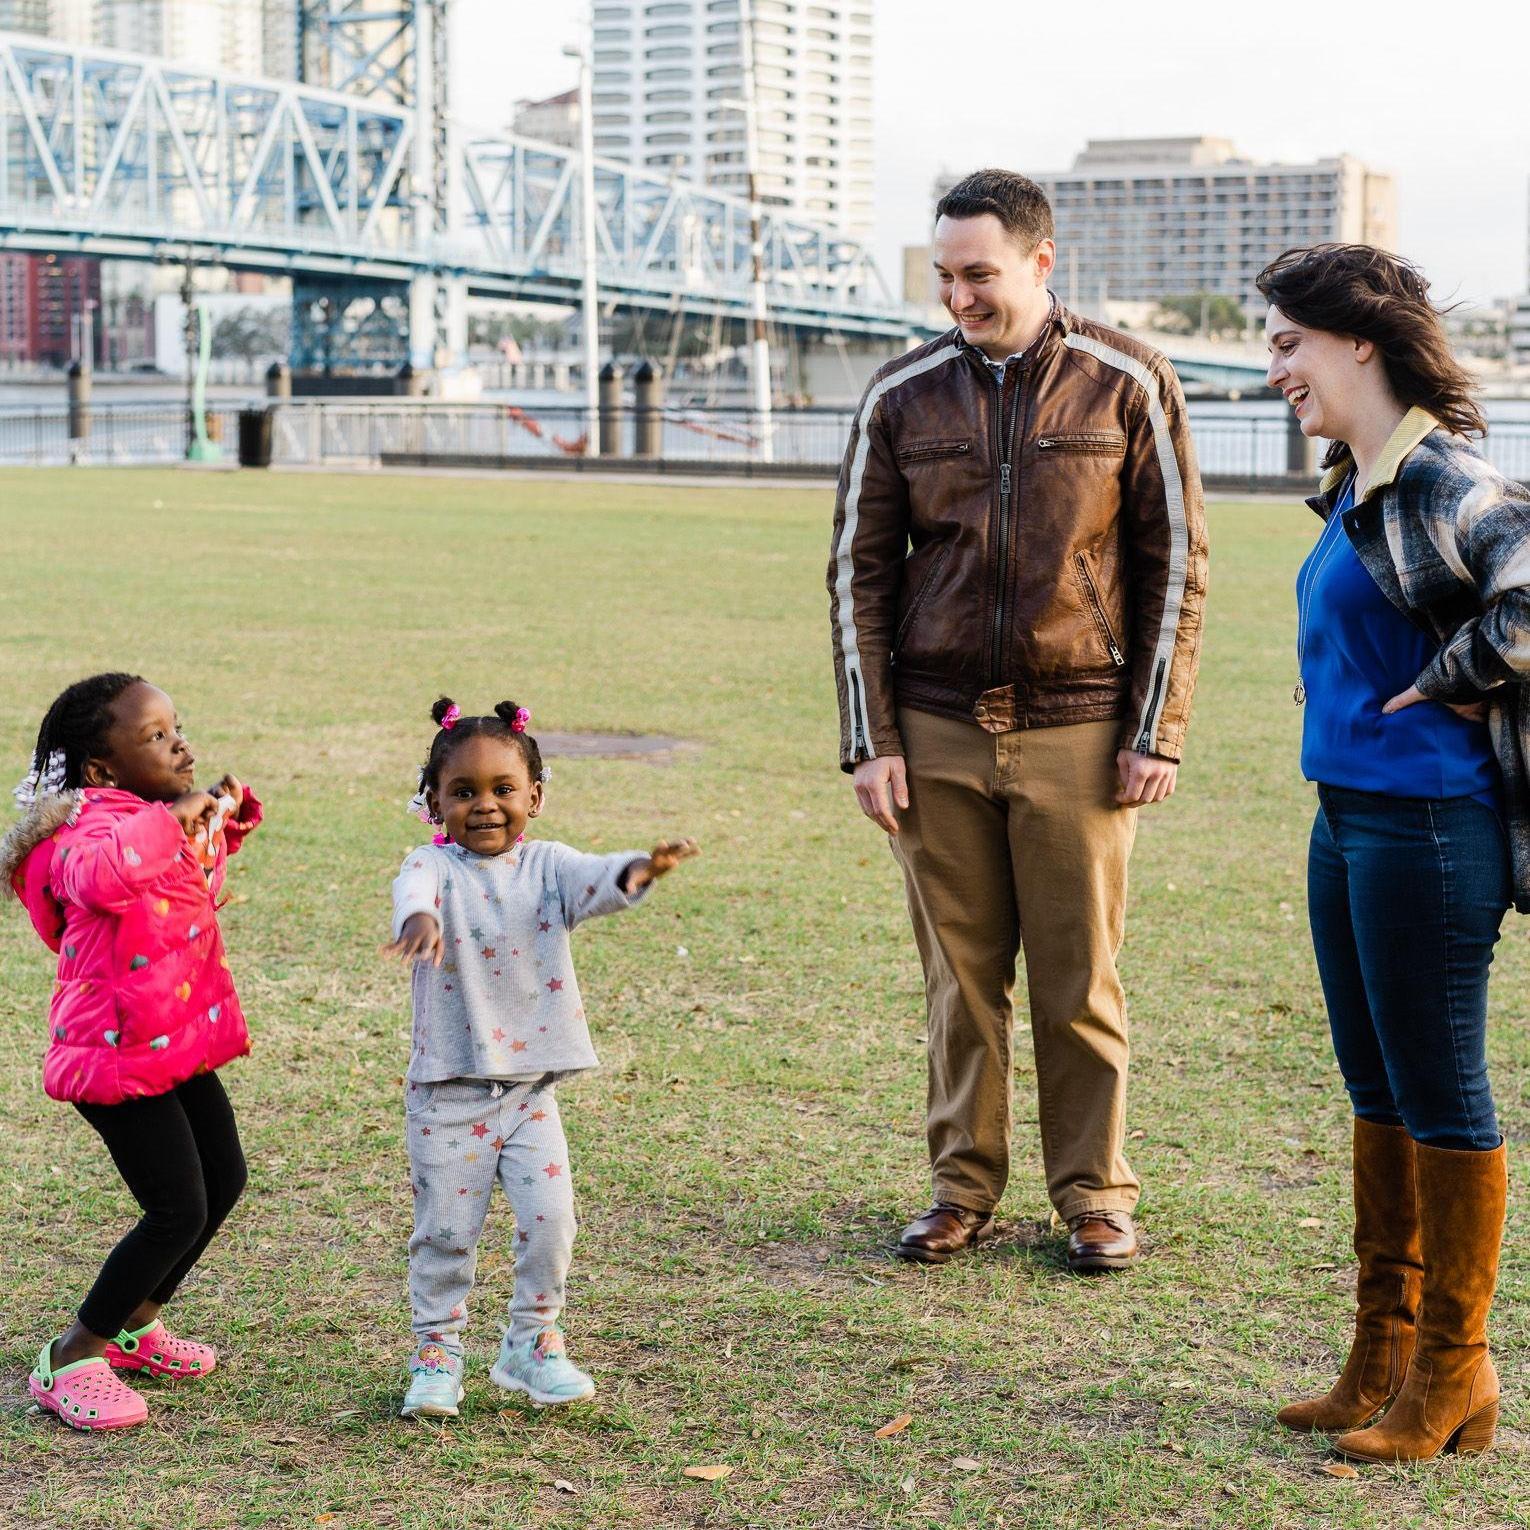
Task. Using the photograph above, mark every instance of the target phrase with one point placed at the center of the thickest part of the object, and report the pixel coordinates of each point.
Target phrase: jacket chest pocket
(928, 451)
(1089, 443)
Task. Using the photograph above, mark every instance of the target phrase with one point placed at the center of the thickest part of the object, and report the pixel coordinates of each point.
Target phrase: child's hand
(230, 786)
(418, 941)
(663, 858)
(193, 809)
(668, 854)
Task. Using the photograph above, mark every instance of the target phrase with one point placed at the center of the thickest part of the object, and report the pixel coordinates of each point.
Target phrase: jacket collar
(1413, 427)
(1056, 324)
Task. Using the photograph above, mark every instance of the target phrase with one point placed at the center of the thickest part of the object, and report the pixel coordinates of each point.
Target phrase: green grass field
(756, 1136)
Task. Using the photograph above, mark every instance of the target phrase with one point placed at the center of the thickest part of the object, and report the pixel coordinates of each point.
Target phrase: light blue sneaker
(435, 1383)
(540, 1368)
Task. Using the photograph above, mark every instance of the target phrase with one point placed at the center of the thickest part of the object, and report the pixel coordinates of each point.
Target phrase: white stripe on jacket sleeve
(849, 642)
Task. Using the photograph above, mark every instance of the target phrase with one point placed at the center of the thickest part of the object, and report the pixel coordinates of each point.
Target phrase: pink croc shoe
(86, 1395)
(153, 1350)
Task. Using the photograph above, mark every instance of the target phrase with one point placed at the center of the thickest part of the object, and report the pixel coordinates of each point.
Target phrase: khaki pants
(1014, 840)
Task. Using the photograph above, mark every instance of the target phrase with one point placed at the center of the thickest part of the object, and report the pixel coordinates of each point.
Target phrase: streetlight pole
(759, 350)
(587, 240)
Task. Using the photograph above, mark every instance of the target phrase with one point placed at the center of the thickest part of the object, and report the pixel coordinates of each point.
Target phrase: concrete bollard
(79, 403)
(648, 406)
(278, 380)
(611, 420)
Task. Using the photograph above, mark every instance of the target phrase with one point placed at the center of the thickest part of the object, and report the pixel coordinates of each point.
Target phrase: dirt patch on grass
(655, 748)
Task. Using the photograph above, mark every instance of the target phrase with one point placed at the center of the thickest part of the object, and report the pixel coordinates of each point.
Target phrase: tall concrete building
(1144, 218)
(25, 15)
(668, 78)
(212, 34)
(278, 49)
(71, 21)
(554, 120)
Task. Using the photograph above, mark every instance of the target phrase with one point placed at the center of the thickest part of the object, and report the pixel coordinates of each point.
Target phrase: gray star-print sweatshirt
(504, 1003)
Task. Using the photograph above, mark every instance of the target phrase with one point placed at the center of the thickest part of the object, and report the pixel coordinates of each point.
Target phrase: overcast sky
(1443, 103)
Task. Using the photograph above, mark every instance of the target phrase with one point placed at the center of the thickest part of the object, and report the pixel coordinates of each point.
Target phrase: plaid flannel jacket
(1447, 539)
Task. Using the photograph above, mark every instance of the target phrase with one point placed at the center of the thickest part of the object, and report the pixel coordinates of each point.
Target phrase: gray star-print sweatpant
(464, 1134)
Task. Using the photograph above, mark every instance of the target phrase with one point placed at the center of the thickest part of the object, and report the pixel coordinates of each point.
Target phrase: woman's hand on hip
(1472, 711)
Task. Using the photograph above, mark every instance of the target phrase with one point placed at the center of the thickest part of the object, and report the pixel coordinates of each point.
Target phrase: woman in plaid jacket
(1413, 648)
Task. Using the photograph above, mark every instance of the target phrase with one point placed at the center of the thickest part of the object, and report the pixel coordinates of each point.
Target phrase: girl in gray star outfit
(484, 916)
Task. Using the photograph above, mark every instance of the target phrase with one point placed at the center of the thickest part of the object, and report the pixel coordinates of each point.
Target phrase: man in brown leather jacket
(1016, 578)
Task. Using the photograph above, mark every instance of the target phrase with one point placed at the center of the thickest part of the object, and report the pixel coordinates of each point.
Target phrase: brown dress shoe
(941, 1232)
(1101, 1240)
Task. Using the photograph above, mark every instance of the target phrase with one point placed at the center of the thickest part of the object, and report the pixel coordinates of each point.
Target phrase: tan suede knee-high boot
(1387, 1289)
(1450, 1398)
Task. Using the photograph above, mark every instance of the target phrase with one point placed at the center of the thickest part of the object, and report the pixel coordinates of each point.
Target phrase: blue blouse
(1356, 651)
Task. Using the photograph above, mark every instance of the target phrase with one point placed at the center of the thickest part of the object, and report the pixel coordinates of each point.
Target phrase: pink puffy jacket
(144, 997)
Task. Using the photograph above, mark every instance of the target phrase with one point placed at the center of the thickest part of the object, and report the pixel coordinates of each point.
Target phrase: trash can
(254, 438)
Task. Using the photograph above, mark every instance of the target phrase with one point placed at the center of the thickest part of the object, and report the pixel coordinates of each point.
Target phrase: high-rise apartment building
(25, 15)
(668, 86)
(71, 21)
(1145, 218)
(42, 301)
(211, 34)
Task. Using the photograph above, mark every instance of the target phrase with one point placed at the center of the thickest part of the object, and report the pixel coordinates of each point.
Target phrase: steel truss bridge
(356, 183)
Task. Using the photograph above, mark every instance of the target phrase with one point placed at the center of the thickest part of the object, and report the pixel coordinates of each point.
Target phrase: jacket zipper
(859, 743)
(1099, 611)
(1082, 443)
(1002, 451)
(1145, 739)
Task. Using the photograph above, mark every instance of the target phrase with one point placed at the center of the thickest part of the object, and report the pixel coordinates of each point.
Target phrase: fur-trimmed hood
(46, 816)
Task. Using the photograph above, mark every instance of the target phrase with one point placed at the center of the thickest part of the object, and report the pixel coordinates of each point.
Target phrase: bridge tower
(397, 50)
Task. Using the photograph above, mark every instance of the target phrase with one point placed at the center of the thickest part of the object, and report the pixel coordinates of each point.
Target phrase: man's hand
(1472, 711)
(418, 941)
(1144, 778)
(881, 788)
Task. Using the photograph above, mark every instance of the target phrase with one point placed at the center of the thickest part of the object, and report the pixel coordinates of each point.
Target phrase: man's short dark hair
(1015, 200)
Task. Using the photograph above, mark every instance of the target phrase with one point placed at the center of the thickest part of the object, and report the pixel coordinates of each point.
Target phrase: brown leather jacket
(1021, 557)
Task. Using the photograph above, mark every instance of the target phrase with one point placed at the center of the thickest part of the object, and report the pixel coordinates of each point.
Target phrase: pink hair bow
(452, 717)
(522, 717)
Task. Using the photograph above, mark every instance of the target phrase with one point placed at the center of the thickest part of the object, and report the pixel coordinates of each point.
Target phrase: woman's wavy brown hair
(1356, 289)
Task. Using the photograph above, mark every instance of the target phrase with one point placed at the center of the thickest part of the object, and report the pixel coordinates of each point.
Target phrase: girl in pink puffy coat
(119, 860)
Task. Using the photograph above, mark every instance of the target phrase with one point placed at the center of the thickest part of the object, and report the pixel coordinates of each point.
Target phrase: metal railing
(1249, 454)
(118, 433)
(811, 440)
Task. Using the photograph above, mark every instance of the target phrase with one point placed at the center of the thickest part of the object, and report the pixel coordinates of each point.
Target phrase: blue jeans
(1405, 895)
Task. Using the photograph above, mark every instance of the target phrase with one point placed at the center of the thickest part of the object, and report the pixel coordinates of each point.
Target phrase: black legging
(179, 1154)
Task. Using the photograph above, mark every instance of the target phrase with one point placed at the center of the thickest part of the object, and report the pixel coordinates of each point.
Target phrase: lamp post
(759, 350)
(587, 241)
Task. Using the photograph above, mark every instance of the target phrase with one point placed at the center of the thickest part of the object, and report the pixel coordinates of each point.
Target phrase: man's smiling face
(995, 290)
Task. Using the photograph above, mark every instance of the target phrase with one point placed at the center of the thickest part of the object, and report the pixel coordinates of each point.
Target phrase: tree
(252, 334)
(1203, 313)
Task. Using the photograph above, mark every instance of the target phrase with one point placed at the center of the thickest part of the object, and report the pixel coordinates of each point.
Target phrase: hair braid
(76, 725)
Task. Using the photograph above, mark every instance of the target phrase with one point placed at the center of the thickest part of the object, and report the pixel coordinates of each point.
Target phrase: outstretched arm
(660, 861)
